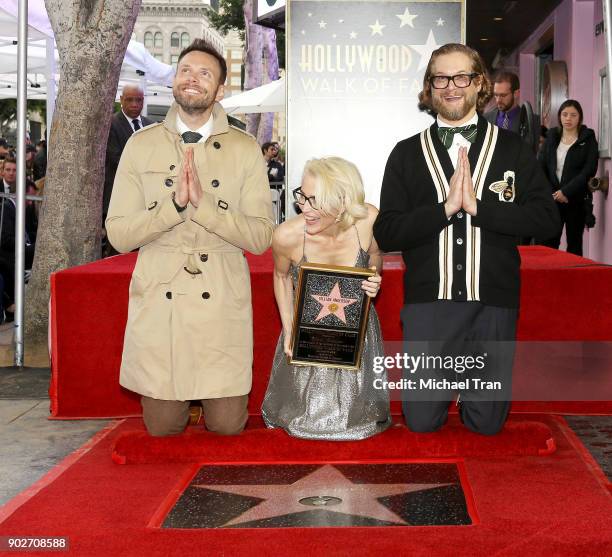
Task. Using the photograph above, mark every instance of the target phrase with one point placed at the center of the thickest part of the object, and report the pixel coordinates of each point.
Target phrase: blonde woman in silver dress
(335, 228)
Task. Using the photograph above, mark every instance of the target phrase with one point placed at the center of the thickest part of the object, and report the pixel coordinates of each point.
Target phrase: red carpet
(556, 505)
(517, 438)
(89, 311)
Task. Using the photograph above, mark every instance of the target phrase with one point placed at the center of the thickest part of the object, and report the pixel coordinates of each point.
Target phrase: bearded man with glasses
(454, 200)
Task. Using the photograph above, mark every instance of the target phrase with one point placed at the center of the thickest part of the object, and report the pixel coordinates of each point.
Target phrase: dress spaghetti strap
(304, 246)
(358, 238)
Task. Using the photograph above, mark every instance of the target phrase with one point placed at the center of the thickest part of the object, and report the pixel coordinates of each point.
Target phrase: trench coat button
(169, 295)
(217, 145)
(215, 183)
(172, 167)
(169, 182)
(152, 206)
(206, 295)
(203, 257)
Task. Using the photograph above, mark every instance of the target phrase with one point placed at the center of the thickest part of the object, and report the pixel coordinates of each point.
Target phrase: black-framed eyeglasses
(460, 80)
(301, 199)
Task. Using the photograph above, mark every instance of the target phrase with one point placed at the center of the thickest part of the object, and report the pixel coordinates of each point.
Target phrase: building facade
(165, 27)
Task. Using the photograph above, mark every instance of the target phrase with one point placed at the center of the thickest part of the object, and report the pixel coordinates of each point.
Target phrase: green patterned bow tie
(446, 134)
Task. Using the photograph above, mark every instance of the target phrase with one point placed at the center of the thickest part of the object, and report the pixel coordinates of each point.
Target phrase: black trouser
(572, 217)
(7, 268)
(458, 330)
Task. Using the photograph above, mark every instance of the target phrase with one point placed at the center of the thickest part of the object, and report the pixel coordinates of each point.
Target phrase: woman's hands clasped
(560, 197)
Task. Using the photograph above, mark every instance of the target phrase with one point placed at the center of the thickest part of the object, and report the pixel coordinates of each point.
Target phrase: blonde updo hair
(338, 189)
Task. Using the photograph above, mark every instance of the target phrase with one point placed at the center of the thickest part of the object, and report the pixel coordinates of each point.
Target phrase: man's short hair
(266, 146)
(3, 143)
(8, 160)
(478, 66)
(508, 77)
(200, 45)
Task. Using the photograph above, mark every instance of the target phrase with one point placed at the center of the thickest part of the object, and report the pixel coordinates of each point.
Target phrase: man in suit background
(123, 125)
(506, 91)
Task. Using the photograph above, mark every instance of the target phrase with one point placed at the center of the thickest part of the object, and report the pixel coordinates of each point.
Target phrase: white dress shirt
(204, 131)
(458, 139)
(132, 123)
(561, 154)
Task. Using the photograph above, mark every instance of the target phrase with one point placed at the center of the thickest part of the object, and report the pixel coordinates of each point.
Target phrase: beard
(453, 114)
(193, 104)
(505, 107)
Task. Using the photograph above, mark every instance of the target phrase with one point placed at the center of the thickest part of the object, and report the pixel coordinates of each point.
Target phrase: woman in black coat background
(569, 158)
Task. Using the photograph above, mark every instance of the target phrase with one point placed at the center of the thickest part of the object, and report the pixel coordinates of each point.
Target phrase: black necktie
(446, 134)
(136, 124)
(191, 137)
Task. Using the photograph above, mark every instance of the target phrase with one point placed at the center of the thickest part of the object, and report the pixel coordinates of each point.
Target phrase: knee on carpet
(423, 417)
(226, 428)
(418, 424)
(164, 430)
(485, 429)
(226, 423)
(484, 423)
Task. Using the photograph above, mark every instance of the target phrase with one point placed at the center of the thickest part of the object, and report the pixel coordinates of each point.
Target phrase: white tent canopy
(39, 26)
(267, 98)
(157, 75)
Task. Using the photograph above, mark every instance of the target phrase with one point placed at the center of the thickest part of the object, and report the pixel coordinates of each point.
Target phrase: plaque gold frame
(298, 305)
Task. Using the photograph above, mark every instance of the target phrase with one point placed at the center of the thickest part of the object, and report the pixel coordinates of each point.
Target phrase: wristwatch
(178, 207)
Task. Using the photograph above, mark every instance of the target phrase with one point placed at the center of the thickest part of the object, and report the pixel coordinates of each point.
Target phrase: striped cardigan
(463, 258)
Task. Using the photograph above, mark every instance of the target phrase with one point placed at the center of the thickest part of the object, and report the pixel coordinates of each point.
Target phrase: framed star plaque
(329, 316)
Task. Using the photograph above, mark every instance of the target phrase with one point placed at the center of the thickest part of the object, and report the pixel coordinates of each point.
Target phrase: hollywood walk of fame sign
(330, 316)
(354, 72)
(321, 495)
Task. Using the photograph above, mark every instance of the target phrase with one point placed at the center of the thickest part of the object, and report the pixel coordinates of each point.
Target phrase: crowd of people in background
(568, 154)
(36, 168)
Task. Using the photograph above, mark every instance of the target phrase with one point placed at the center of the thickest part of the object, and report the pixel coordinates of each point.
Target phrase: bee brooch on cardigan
(505, 188)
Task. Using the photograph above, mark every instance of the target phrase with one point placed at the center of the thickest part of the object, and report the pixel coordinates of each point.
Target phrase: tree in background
(261, 59)
(92, 37)
(8, 112)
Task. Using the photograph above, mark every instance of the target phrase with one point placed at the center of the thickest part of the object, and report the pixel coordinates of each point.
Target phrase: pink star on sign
(333, 303)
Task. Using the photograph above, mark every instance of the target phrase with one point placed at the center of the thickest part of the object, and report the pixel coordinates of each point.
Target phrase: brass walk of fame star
(333, 304)
(326, 484)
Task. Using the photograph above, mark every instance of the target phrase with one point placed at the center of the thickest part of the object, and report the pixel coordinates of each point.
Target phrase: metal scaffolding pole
(22, 63)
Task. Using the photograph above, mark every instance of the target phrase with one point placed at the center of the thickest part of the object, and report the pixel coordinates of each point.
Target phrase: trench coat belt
(192, 267)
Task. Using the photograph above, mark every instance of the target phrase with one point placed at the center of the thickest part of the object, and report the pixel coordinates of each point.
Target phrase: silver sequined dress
(329, 403)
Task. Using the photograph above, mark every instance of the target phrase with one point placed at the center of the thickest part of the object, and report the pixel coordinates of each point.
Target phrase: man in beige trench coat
(192, 194)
